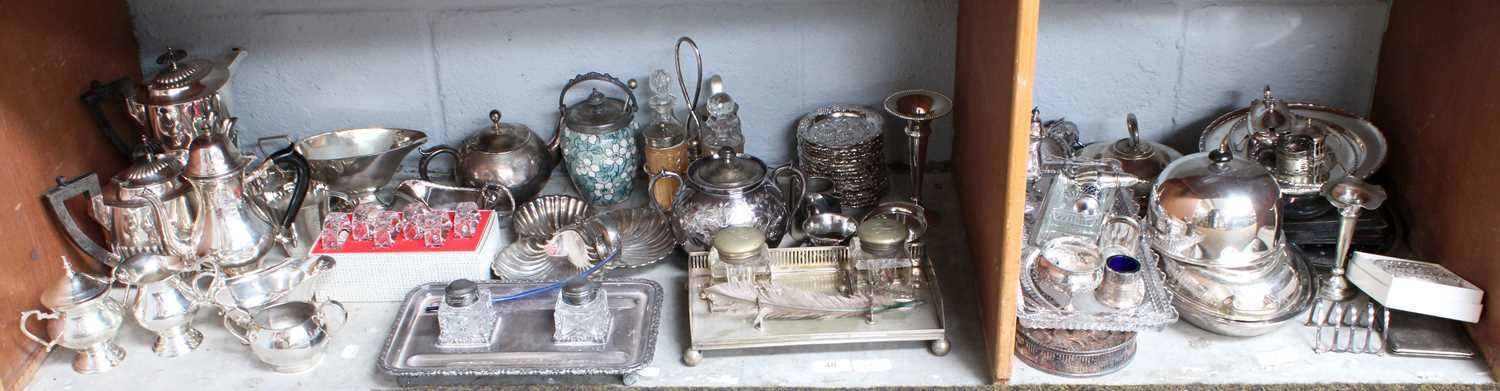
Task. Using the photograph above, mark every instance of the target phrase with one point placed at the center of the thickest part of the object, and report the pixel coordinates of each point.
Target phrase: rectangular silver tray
(817, 269)
(523, 344)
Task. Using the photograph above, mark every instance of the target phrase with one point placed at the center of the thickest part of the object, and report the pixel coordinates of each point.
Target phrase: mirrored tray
(523, 345)
(1037, 310)
(1359, 147)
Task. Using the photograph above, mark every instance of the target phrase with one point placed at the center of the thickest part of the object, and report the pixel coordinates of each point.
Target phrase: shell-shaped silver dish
(646, 236)
(525, 259)
(547, 214)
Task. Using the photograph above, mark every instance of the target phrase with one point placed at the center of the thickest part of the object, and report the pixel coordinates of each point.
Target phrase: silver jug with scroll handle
(162, 302)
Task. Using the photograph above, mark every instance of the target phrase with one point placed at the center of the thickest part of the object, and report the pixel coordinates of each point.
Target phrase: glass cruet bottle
(465, 316)
(723, 127)
(882, 263)
(581, 316)
(739, 255)
(667, 147)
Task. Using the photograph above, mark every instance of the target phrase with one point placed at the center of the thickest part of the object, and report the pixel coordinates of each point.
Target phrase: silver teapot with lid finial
(182, 101)
(1141, 158)
(503, 154)
(81, 316)
(728, 189)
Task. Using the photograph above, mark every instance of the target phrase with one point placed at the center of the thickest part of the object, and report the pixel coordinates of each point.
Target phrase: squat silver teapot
(728, 189)
(504, 154)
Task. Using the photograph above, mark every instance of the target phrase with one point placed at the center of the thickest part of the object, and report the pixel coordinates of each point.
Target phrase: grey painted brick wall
(440, 65)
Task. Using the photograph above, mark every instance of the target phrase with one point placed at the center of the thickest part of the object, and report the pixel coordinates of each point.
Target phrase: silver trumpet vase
(919, 108)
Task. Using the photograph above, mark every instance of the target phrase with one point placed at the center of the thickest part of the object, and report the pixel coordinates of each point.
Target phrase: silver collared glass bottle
(667, 146)
(723, 126)
(581, 316)
(465, 317)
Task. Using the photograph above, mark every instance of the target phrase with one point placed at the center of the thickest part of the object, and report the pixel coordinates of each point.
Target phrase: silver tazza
(358, 162)
(725, 190)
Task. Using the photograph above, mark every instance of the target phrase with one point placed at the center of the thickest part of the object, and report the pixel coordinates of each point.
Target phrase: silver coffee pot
(724, 190)
(182, 101)
(231, 232)
(503, 154)
(80, 316)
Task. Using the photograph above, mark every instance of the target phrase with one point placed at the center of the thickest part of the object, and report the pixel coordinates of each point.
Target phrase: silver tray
(1359, 147)
(816, 269)
(1035, 310)
(524, 345)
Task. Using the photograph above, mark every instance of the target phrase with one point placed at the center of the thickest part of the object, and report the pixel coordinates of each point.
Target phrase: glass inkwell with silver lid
(465, 317)
(880, 264)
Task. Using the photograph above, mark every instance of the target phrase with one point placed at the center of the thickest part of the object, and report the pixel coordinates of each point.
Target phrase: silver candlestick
(1349, 194)
(919, 108)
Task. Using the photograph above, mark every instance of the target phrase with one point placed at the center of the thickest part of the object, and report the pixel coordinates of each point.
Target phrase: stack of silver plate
(843, 143)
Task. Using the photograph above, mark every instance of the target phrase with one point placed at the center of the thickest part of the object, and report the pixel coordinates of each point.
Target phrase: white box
(1415, 286)
(388, 277)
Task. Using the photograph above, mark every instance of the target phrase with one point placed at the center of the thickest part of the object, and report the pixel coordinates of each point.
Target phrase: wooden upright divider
(995, 69)
(51, 50)
(1437, 98)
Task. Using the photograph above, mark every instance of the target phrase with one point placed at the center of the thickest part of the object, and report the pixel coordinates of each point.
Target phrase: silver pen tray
(1037, 310)
(523, 343)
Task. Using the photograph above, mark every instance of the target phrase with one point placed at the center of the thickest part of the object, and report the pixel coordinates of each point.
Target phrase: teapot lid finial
(495, 118)
(1266, 94)
(1133, 128)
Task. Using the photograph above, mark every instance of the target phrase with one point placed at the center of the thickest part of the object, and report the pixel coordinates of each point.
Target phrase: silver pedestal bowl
(359, 162)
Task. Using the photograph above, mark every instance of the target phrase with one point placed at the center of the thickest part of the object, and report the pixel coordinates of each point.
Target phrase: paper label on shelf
(876, 365)
(832, 366)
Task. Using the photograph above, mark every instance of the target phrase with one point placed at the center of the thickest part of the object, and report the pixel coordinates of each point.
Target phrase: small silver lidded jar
(465, 316)
(581, 316)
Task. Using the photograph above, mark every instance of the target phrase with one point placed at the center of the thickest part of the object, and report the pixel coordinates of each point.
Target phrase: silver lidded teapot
(80, 316)
(504, 154)
(724, 190)
(1141, 158)
(129, 224)
(181, 101)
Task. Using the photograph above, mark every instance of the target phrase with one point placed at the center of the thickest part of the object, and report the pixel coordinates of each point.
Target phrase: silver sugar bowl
(80, 316)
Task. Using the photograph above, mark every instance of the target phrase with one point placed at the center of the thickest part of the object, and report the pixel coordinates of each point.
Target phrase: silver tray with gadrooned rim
(1359, 147)
(523, 348)
(547, 214)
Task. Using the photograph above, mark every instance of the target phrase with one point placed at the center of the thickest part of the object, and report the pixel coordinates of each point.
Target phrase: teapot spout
(173, 244)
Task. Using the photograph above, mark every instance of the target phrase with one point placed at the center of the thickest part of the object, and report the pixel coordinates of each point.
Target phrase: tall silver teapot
(182, 101)
(724, 190)
(231, 231)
